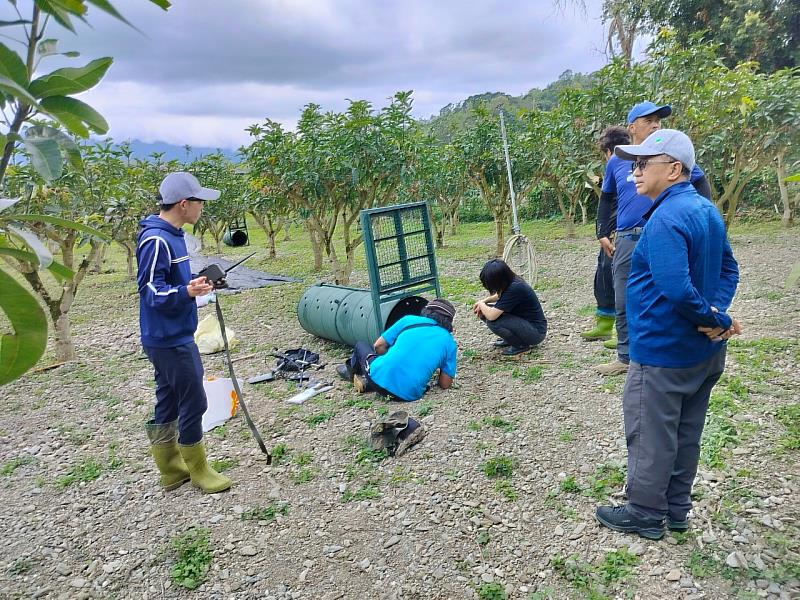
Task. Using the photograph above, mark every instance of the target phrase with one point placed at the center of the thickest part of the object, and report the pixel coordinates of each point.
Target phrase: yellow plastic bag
(209, 337)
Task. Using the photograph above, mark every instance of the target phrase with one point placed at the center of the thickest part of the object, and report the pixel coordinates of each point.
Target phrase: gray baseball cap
(664, 141)
(180, 186)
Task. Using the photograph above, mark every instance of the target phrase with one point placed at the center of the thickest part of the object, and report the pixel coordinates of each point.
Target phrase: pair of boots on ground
(603, 330)
(179, 463)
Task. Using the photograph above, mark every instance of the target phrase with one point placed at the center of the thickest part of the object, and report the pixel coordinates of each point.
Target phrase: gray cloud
(256, 58)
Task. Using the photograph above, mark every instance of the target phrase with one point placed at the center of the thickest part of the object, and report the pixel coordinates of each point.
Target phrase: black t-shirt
(520, 300)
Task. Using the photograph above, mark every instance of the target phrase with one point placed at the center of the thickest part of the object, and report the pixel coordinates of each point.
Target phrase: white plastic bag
(222, 401)
(209, 336)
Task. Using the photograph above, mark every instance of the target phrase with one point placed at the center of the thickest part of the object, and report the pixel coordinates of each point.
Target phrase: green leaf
(66, 143)
(106, 6)
(162, 3)
(795, 177)
(11, 87)
(73, 114)
(44, 258)
(11, 66)
(53, 8)
(22, 349)
(70, 80)
(58, 270)
(45, 157)
(58, 221)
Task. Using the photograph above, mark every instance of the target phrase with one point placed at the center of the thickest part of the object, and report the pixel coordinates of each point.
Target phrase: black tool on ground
(216, 274)
(293, 363)
(235, 381)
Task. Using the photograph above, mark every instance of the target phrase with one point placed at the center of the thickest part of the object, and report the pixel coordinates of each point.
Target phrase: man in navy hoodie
(168, 319)
(682, 281)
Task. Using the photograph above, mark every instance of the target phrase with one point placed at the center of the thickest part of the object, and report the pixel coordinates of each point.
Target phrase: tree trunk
(454, 222)
(316, 247)
(787, 219)
(499, 232)
(584, 216)
(98, 261)
(130, 257)
(286, 236)
(271, 238)
(65, 347)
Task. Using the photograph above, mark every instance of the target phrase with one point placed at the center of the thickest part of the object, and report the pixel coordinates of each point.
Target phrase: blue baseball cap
(644, 109)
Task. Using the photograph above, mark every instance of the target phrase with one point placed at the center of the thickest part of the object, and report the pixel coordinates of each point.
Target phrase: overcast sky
(204, 70)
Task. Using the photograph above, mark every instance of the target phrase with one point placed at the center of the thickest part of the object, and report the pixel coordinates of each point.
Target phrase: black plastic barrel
(235, 237)
(346, 315)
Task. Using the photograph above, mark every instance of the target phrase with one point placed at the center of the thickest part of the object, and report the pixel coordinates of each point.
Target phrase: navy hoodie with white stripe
(167, 314)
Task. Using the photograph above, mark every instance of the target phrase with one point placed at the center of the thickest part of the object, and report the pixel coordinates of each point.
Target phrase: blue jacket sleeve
(154, 269)
(668, 256)
(729, 279)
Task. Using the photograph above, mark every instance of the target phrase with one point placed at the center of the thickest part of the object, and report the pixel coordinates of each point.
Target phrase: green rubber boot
(164, 449)
(203, 476)
(611, 344)
(603, 327)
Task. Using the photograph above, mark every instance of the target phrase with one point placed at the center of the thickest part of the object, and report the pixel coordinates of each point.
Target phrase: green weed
(570, 485)
(483, 538)
(20, 566)
(500, 423)
(565, 436)
(303, 458)
(279, 452)
(304, 475)
(368, 491)
(266, 513)
(500, 466)
(474, 426)
(529, 374)
(607, 479)
(491, 591)
(362, 402)
(789, 417)
(223, 464)
(193, 558)
(87, 470)
(15, 463)
(507, 490)
(319, 418)
(425, 408)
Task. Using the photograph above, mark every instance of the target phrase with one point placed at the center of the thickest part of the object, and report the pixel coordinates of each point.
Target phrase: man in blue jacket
(619, 190)
(168, 319)
(682, 282)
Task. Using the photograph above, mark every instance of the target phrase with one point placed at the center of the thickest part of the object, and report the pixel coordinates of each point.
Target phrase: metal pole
(508, 168)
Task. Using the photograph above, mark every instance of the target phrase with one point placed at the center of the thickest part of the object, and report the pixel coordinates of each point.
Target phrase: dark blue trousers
(179, 389)
(363, 353)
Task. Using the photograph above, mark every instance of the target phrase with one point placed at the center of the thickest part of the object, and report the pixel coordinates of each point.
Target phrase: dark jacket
(167, 314)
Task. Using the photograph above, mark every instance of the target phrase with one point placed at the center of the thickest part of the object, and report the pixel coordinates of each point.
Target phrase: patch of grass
(565, 436)
(368, 491)
(367, 455)
(483, 538)
(266, 513)
(593, 581)
(304, 475)
(607, 479)
(319, 418)
(505, 488)
(470, 354)
(500, 466)
(460, 289)
(703, 563)
(382, 410)
(789, 417)
(15, 463)
(220, 432)
(546, 593)
(86, 470)
(20, 566)
(529, 374)
(570, 485)
(500, 423)
(279, 452)
(425, 408)
(193, 558)
(491, 591)
(303, 459)
(474, 426)
(362, 402)
(548, 283)
(223, 464)
(114, 460)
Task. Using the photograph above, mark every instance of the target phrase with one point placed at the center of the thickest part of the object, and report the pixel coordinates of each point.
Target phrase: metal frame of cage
(401, 256)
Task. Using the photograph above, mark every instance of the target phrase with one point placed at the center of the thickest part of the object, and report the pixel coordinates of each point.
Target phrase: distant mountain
(143, 150)
(455, 117)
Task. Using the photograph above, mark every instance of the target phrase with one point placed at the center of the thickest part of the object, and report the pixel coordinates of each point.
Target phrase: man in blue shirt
(402, 360)
(682, 281)
(643, 119)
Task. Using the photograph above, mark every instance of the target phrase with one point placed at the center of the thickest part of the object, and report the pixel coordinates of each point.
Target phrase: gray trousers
(621, 268)
(665, 410)
(515, 330)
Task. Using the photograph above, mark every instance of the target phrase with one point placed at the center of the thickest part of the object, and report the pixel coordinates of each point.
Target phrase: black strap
(236, 387)
(407, 327)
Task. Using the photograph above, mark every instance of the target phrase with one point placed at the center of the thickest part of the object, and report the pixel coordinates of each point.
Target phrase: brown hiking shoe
(359, 383)
(613, 368)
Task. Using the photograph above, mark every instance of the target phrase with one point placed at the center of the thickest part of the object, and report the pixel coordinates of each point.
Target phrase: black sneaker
(673, 525)
(500, 343)
(619, 519)
(344, 372)
(514, 350)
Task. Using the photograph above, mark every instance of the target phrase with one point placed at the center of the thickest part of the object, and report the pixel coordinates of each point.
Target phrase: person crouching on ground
(516, 315)
(682, 281)
(168, 319)
(403, 359)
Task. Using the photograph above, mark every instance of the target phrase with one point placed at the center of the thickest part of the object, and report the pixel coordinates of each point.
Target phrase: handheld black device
(216, 274)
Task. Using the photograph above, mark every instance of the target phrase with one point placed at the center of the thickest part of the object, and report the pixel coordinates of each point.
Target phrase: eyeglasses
(642, 163)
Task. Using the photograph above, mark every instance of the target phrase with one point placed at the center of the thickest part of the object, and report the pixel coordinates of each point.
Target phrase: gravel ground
(84, 518)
